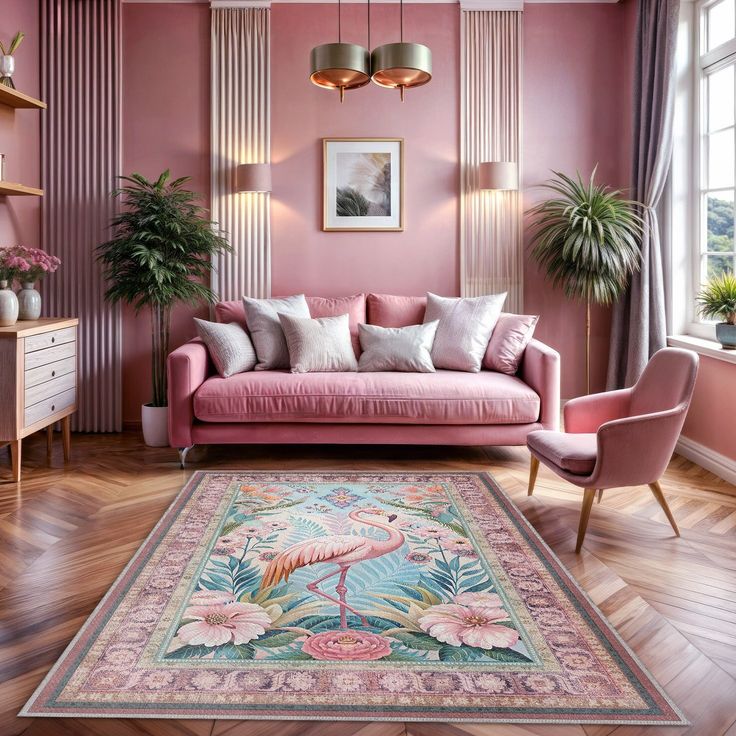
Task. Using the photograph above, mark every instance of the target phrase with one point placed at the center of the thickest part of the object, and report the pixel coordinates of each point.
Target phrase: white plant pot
(155, 420)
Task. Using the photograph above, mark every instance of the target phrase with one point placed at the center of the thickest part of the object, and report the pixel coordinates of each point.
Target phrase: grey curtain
(639, 327)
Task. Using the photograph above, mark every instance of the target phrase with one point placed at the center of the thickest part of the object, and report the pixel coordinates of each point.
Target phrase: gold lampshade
(340, 66)
(402, 65)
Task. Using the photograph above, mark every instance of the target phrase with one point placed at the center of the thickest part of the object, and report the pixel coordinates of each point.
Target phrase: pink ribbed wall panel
(80, 159)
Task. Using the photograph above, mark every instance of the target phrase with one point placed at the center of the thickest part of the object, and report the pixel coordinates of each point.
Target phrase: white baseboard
(724, 467)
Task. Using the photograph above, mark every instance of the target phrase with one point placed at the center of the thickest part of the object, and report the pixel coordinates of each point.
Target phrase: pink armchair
(621, 438)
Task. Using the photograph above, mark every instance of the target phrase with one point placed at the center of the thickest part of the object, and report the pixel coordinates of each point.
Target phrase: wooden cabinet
(38, 381)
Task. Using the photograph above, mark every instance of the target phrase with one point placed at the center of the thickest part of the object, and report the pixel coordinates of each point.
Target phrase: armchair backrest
(667, 381)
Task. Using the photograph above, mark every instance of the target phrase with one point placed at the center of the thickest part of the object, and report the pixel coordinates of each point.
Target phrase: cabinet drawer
(49, 407)
(46, 390)
(50, 355)
(51, 370)
(51, 338)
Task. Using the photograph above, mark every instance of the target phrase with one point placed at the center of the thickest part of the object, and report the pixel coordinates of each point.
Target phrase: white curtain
(490, 123)
(241, 124)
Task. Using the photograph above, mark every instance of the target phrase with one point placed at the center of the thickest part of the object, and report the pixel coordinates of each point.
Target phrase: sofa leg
(183, 451)
(533, 470)
(657, 491)
(584, 516)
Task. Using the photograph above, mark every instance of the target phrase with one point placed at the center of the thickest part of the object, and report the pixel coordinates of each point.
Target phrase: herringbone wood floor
(66, 532)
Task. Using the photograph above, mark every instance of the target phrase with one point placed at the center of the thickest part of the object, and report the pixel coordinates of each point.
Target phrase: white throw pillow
(465, 327)
(262, 319)
(404, 349)
(229, 346)
(319, 345)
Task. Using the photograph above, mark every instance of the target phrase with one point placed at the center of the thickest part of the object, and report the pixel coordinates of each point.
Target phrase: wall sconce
(253, 178)
(499, 175)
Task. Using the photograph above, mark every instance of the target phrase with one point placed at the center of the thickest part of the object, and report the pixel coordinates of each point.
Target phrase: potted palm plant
(587, 240)
(717, 300)
(160, 255)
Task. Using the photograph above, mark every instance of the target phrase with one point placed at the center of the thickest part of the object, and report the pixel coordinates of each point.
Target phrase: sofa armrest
(540, 370)
(187, 367)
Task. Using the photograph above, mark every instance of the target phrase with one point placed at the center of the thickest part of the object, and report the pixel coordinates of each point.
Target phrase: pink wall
(577, 78)
(423, 257)
(20, 130)
(166, 122)
(577, 112)
(710, 420)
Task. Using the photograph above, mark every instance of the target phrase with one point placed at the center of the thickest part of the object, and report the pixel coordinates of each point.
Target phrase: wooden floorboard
(67, 531)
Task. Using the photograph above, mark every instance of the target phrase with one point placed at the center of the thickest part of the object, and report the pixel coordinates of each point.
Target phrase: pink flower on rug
(474, 625)
(221, 623)
(457, 544)
(419, 558)
(210, 597)
(433, 532)
(347, 646)
(487, 600)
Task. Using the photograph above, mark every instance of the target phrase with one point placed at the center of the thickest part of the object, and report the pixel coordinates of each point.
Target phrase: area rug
(355, 596)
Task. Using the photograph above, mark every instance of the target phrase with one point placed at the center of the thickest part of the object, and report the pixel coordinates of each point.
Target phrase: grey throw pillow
(465, 328)
(319, 345)
(404, 349)
(229, 346)
(262, 319)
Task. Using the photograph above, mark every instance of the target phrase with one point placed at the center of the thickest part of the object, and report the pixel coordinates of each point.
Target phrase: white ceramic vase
(155, 420)
(8, 305)
(29, 302)
(7, 67)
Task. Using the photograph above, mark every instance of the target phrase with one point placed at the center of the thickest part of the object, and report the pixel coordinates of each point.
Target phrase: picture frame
(363, 184)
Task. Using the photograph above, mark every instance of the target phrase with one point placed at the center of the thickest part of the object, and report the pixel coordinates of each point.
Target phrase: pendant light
(401, 65)
(340, 65)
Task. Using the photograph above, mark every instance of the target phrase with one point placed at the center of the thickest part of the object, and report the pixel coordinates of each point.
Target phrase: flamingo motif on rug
(342, 550)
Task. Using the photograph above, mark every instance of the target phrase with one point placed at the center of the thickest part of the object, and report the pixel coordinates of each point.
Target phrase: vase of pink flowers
(32, 264)
(8, 299)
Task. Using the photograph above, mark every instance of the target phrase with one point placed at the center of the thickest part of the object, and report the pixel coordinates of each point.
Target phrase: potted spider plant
(717, 300)
(160, 255)
(586, 238)
(7, 62)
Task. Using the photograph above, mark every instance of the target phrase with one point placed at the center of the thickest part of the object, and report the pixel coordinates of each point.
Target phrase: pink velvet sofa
(443, 408)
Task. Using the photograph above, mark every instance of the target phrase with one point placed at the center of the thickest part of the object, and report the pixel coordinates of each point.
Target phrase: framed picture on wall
(363, 184)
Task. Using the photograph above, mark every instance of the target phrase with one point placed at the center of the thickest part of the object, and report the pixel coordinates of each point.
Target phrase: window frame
(705, 63)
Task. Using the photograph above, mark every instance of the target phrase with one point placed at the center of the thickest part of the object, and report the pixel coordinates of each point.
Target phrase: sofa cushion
(397, 348)
(444, 397)
(575, 453)
(319, 306)
(319, 345)
(389, 310)
(509, 339)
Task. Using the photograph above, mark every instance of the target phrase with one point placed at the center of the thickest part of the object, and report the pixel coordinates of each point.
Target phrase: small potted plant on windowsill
(717, 300)
(160, 255)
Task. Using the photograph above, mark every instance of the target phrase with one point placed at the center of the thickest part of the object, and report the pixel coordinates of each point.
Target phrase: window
(716, 131)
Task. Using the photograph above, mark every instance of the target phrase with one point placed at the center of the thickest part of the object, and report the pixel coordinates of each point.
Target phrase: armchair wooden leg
(15, 458)
(66, 437)
(657, 491)
(49, 439)
(533, 470)
(584, 516)
(600, 495)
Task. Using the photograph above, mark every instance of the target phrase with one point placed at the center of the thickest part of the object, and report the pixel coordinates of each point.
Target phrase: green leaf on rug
(416, 640)
(189, 651)
(235, 651)
(277, 639)
(449, 653)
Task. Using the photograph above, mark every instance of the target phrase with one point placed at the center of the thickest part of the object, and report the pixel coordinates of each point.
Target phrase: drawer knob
(53, 406)
(53, 339)
(53, 373)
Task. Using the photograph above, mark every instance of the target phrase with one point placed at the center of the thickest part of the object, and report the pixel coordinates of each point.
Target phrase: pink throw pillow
(509, 339)
(389, 310)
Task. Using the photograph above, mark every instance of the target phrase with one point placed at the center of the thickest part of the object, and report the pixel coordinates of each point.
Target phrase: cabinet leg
(66, 435)
(49, 439)
(15, 450)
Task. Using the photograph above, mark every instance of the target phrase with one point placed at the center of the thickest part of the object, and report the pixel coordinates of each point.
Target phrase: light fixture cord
(401, 19)
(369, 26)
(339, 21)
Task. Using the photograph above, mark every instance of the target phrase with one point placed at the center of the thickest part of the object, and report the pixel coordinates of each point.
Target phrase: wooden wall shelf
(13, 98)
(8, 188)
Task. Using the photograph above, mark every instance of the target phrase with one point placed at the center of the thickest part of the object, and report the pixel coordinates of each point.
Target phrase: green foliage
(720, 225)
(350, 203)
(14, 43)
(717, 299)
(160, 255)
(586, 238)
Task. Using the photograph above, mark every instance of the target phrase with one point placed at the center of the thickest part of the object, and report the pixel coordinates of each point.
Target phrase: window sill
(711, 348)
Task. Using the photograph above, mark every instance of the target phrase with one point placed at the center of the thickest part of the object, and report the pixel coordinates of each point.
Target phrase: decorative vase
(29, 302)
(155, 421)
(7, 67)
(8, 305)
(726, 335)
